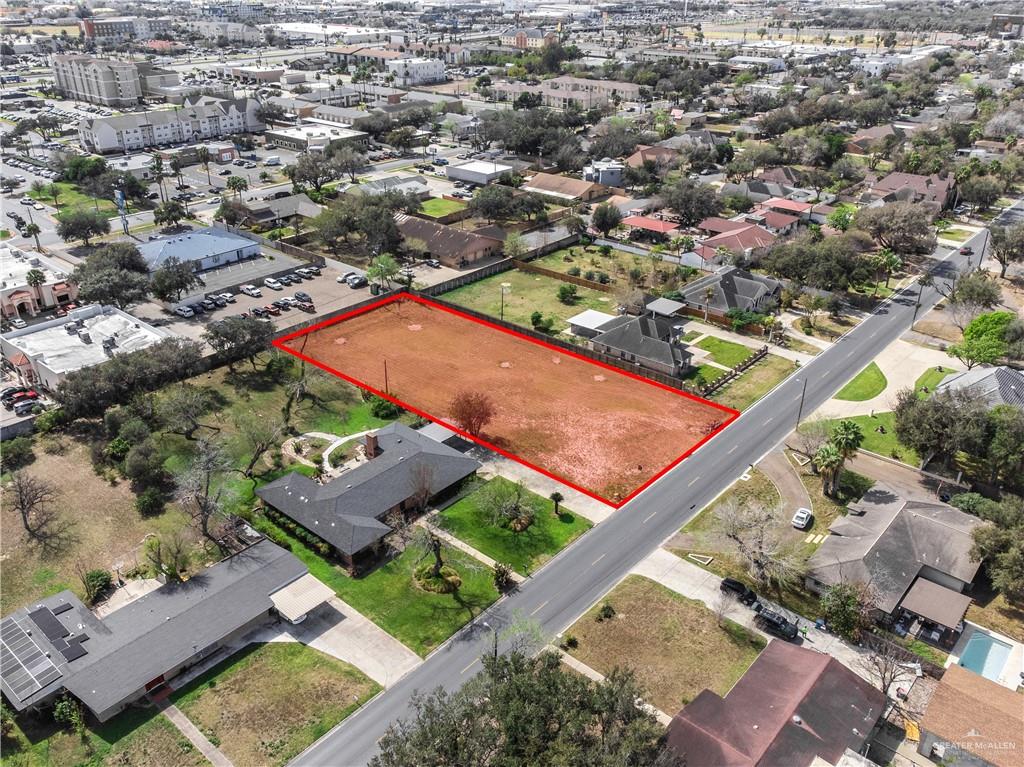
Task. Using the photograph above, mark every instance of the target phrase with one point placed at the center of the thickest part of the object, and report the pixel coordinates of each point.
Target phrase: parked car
(219, 300)
(357, 281)
(225, 172)
(184, 311)
(433, 263)
(347, 276)
(13, 400)
(259, 311)
(25, 407)
(743, 594)
(309, 271)
(306, 306)
(283, 303)
(209, 304)
(271, 309)
(251, 290)
(273, 284)
(229, 297)
(774, 623)
(18, 322)
(301, 295)
(802, 519)
(10, 391)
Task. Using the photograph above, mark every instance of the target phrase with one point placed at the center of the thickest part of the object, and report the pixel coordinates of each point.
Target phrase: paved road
(582, 573)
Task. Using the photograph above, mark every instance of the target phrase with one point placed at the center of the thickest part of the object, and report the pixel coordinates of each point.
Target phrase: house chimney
(371, 445)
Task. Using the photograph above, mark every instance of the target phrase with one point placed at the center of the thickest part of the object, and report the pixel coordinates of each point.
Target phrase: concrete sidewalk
(184, 725)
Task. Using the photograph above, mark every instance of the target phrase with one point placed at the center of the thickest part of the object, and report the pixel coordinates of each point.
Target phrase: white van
(272, 160)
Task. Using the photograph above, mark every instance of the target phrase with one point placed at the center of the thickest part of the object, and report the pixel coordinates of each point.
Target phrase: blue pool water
(985, 655)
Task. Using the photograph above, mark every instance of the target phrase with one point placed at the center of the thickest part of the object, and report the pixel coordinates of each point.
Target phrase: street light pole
(800, 410)
(494, 633)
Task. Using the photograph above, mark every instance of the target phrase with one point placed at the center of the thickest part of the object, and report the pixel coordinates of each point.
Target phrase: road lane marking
(648, 517)
(769, 420)
(693, 480)
(597, 560)
(467, 668)
(732, 449)
(538, 608)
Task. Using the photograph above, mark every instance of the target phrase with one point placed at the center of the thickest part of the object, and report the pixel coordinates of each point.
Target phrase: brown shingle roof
(549, 183)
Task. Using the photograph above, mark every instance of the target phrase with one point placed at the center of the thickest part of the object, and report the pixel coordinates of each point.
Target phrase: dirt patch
(604, 432)
(674, 644)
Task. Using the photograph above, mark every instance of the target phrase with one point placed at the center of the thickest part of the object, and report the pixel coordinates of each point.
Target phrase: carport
(300, 597)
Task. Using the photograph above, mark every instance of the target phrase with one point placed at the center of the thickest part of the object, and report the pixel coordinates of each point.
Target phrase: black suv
(774, 623)
(743, 594)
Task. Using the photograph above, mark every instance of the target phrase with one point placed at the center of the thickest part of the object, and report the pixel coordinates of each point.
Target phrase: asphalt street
(571, 582)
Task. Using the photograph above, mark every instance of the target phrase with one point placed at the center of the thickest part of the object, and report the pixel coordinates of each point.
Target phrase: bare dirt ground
(601, 430)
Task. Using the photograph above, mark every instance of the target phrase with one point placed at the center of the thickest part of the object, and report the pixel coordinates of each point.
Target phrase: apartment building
(561, 92)
(109, 82)
(527, 38)
(197, 119)
(416, 71)
(232, 30)
(116, 29)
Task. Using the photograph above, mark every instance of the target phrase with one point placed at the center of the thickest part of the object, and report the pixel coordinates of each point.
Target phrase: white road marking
(732, 449)
(648, 517)
(467, 668)
(538, 608)
(597, 560)
(693, 480)
(769, 420)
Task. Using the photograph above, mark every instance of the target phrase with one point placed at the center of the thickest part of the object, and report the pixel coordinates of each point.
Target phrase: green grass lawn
(436, 207)
(526, 294)
(728, 353)
(867, 384)
(469, 520)
(269, 702)
(138, 737)
(71, 198)
(706, 373)
(884, 443)
(755, 382)
(956, 235)
(617, 264)
(388, 596)
(929, 379)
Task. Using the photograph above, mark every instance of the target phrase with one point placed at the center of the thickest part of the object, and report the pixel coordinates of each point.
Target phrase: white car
(214, 201)
(251, 290)
(184, 311)
(37, 206)
(273, 284)
(18, 323)
(229, 297)
(802, 519)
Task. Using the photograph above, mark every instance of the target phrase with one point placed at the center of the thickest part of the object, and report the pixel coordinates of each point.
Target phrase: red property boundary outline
(280, 344)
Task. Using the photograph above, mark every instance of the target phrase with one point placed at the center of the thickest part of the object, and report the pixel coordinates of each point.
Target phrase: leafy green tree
(170, 212)
(692, 202)
(605, 218)
(1001, 546)
(887, 262)
(495, 203)
(82, 224)
(236, 338)
(904, 227)
(515, 246)
(978, 351)
(383, 269)
(173, 279)
(114, 274)
(846, 609)
(314, 169)
(1007, 246)
(347, 160)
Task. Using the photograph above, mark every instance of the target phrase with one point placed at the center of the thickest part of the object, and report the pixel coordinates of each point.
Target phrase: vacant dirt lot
(600, 430)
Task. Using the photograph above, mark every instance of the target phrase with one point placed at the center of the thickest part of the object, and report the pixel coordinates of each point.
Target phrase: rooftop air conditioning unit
(71, 328)
(84, 336)
(109, 342)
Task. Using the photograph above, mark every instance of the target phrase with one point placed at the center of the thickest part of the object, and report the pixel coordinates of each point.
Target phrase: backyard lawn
(138, 737)
(71, 197)
(469, 519)
(437, 207)
(867, 384)
(617, 264)
(755, 382)
(526, 294)
(674, 644)
(388, 596)
(728, 353)
(269, 702)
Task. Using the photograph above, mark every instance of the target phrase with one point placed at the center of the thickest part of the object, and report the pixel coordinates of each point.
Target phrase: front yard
(438, 207)
(755, 382)
(879, 432)
(526, 294)
(470, 520)
(675, 645)
(728, 353)
(268, 703)
(867, 384)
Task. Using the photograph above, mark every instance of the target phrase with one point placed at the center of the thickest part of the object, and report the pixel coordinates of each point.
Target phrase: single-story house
(403, 468)
(793, 707)
(57, 644)
(734, 288)
(999, 385)
(647, 341)
(972, 721)
(915, 554)
(282, 211)
(587, 323)
(655, 226)
(914, 187)
(861, 142)
(406, 184)
(452, 247)
(661, 156)
(741, 240)
(208, 248)
(564, 188)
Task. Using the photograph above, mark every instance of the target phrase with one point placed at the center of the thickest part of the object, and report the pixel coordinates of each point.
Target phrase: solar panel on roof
(48, 623)
(74, 651)
(62, 608)
(26, 667)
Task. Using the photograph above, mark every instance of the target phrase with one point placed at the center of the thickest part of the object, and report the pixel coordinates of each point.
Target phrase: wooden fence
(476, 275)
(735, 373)
(524, 266)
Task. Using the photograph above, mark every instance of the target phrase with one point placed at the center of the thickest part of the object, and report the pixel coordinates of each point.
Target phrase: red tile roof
(779, 203)
(650, 224)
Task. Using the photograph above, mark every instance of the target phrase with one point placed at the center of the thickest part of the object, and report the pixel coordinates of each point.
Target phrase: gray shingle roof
(734, 289)
(346, 512)
(996, 386)
(646, 337)
(193, 246)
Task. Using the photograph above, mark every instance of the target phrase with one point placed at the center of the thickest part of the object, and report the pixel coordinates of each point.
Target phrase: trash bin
(374, 289)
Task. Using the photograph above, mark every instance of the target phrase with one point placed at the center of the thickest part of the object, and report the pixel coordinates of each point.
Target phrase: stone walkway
(579, 503)
(902, 363)
(184, 725)
(288, 448)
(451, 540)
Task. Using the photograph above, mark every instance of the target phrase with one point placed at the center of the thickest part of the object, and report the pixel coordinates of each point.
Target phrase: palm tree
(771, 325)
(829, 462)
(556, 498)
(847, 437)
(709, 293)
(237, 184)
(35, 279)
(203, 156)
(157, 167)
(176, 168)
(887, 262)
(33, 230)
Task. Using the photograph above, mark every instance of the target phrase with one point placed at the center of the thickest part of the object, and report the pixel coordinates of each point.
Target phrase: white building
(232, 30)
(43, 354)
(416, 71)
(20, 299)
(607, 171)
(337, 33)
(110, 82)
(204, 249)
(314, 137)
(202, 118)
(477, 171)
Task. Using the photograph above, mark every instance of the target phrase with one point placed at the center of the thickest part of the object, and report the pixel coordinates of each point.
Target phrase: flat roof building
(478, 171)
(314, 137)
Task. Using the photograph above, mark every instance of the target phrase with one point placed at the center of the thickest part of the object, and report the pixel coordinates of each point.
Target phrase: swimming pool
(985, 655)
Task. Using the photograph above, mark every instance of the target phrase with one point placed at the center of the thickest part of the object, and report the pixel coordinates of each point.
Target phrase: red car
(10, 402)
(270, 308)
(306, 306)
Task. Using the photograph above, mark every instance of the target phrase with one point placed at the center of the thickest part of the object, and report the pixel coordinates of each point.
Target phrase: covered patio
(932, 613)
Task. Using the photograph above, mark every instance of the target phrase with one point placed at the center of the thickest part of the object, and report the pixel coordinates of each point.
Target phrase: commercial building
(416, 71)
(561, 92)
(232, 30)
(57, 645)
(43, 354)
(20, 299)
(479, 172)
(345, 34)
(117, 29)
(109, 82)
(208, 248)
(200, 118)
(311, 137)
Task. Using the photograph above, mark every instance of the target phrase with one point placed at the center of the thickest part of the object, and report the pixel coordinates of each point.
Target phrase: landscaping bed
(269, 702)
(674, 644)
(470, 520)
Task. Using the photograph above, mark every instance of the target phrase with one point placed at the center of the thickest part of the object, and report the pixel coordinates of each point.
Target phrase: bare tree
(32, 498)
(201, 490)
(169, 555)
(723, 606)
(183, 406)
(259, 434)
(510, 504)
(472, 410)
(757, 534)
(422, 486)
(812, 434)
(888, 667)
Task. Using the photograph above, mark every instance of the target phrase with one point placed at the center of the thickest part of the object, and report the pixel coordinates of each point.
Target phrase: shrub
(149, 502)
(569, 642)
(806, 325)
(605, 250)
(16, 452)
(574, 271)
(382, 408)
(603, 278)
(536, 318)
(567, 294)
(589, 274)
(96, 582)
(606, 612)
(117, 449)
(50, 420)
(740, 318)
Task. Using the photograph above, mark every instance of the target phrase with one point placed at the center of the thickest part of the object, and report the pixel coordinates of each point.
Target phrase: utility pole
(800, 410)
